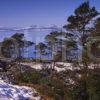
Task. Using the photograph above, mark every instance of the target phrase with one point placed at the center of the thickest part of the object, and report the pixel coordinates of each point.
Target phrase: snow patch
(15, 92)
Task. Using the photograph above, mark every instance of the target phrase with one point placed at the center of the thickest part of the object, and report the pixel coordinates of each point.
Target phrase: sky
(24, 13)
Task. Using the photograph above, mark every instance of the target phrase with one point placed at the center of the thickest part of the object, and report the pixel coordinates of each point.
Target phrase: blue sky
(24, 13)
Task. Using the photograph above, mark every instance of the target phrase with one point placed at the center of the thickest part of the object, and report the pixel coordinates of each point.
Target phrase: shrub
(52, 87)
(31, 77)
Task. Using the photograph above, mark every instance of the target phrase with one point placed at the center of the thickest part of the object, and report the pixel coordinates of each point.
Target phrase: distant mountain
(32, 32)
(32, 27)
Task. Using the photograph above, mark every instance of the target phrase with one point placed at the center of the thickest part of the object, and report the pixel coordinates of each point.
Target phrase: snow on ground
(62, 66)
(39, 66)
(35, 66)
(15, 92)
